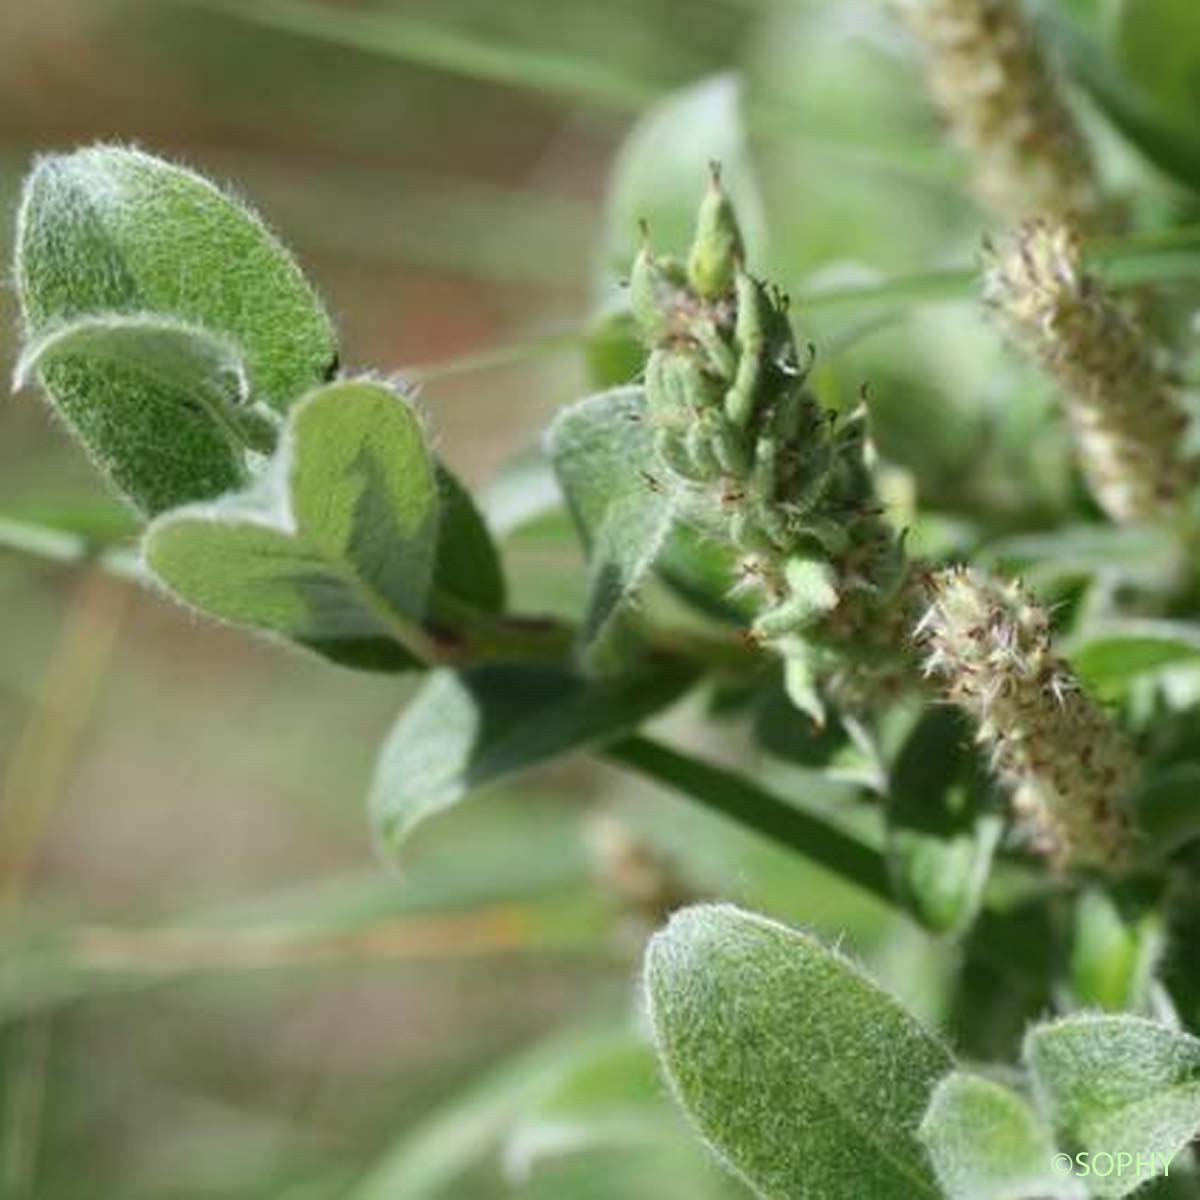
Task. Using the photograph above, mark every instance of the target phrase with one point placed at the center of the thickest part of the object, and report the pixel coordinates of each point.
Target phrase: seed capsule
(655, 291)
(717, 249)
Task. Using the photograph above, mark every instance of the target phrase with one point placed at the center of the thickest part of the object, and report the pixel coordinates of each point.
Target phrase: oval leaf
(109, 229)
(987, 1143)
(1118, 1085)
(469, 728)
(155, 402)
(603, 453)
(334, 548)
(805, 1078)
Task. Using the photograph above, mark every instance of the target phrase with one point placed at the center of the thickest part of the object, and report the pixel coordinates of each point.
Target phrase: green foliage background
(210, 986)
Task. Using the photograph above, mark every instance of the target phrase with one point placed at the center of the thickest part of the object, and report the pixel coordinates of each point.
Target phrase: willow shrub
(1028, 766)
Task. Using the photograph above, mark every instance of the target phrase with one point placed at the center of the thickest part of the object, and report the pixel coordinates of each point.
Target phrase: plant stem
(735, 797)
(1014, 938)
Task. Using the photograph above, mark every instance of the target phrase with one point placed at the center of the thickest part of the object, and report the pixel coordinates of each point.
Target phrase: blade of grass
(84, 962)
(24, 1110)
(40, 766)
(496, 929)
(1169, 256)
(63, 546)
(394, 35)
(453, 1138)
(512, 354)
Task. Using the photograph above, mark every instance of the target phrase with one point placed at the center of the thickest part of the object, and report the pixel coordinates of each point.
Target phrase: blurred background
(212, 984)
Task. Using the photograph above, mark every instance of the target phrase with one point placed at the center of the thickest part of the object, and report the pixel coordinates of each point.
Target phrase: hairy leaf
(804, 1077)
(1117, 1085)
(157, 403)
(474, 727)
(988, 1143)
(603, 454)
(110, 229)
(334, 548)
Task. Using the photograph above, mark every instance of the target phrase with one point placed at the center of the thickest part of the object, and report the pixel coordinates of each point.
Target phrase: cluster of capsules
(766, 469)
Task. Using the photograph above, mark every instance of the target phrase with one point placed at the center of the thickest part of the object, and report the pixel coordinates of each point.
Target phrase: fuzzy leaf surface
(1117, 1084)
(804, 1077)
(158, 404)
(988, 1143)
(603, 453)
(334, 548)
(109, 229)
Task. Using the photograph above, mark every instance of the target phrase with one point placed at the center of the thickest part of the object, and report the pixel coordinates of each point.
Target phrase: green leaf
(1147, 554)
(456, 1135)
(608, 1096)
(785, 732)
(1158, 44)
(703, 572)
(1166, 140)
(334, 548)
(663, 168)
(603, 453)
(1117, 1085)
(987, 1143)
(113, 230)
(1118, 942)
(1167, 808)
(940, 833)
(1111, 655)
(477, 726)
(804, 1077)
(158, 404)
(468, 568)
(613, 351)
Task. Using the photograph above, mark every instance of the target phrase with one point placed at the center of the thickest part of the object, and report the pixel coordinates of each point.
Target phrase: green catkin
(1002, 103)
(767, 470)
(987, 647)
(1123, 409)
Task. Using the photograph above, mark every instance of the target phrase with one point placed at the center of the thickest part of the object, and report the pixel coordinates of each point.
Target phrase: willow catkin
(766, 469)
(1003, 105)
(1123, 408)
(987, 647)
